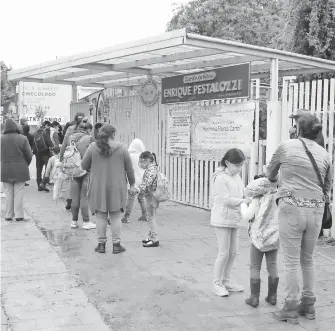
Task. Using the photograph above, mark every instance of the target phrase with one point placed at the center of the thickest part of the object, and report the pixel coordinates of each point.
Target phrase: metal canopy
(172, 53)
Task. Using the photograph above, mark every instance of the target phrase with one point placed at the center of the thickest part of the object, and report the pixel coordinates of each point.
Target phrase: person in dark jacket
(16, 156)
(41, 149)
(30, 137)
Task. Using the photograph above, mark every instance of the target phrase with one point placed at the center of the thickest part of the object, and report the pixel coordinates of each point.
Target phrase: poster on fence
(178, 121)
(217, 128)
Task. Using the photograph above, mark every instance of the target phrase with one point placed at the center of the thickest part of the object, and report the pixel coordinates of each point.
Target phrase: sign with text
(224, 83)
(178, 120)
(42, 101)
(218, 128)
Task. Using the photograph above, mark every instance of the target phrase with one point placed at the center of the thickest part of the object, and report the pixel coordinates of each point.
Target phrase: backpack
(162, 192)
(72, 160)
(39, 141)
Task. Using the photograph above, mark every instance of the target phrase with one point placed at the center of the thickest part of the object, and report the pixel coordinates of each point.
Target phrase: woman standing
(301, 205)
(16, 156)
(110, 166)
(226, 217)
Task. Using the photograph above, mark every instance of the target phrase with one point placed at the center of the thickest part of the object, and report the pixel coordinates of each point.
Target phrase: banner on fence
(178, 117)
(217, 128)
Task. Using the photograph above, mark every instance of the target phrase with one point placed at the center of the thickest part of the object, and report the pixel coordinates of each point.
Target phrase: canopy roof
(172, 53)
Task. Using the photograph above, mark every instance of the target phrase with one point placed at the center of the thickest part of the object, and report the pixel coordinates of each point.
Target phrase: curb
(4, 320)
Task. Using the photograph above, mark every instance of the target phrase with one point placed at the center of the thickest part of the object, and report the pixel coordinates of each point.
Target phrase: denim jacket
(297, 175)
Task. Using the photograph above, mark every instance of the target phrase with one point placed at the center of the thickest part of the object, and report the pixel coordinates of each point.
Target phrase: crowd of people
(283, 207)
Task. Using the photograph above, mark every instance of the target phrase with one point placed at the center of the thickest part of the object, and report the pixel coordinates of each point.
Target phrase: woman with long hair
(110, 167)
(16, 156)
(301, 203)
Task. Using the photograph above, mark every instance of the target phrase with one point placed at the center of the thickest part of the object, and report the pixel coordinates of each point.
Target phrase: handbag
(327, 220)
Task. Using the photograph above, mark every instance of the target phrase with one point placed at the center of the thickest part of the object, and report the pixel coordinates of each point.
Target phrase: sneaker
(89, 226)
(151, 243)
(74, 224)
(231, 287)
(220, 290)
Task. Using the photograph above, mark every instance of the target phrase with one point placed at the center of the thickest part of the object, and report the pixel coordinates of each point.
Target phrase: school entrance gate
(126, 67)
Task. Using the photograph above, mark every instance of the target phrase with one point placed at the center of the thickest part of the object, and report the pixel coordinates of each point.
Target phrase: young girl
(147, 161)
(264, 236)
(51, 172)
(227, 196)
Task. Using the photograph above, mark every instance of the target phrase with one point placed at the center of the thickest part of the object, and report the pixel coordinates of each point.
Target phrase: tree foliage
(314, 33)
(256, 22)
(7, 87)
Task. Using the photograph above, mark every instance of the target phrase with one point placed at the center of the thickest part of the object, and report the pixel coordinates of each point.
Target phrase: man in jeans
(41, 148)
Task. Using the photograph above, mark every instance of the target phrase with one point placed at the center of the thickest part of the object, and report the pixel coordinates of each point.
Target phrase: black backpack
(39, 141)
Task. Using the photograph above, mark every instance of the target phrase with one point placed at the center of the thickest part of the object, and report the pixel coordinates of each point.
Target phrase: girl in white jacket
(135, 149)
(227, 197)
(264, 236)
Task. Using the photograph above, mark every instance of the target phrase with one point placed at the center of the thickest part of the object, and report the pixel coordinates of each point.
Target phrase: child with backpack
(147, 161)
(264, 236)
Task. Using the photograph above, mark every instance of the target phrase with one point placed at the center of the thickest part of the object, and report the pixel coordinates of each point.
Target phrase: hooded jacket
(261, 214)
(136, 147)
(227, 195)
(54, 137)
(109, 176)
(16, 154)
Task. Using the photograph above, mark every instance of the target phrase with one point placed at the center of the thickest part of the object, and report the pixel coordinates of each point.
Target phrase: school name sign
(224, 83)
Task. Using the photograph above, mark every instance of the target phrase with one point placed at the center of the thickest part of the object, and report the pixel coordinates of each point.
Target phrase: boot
(42, 186)
(68, 204)
(289, 313)
(272, 290)
(101, 248)
(306, 308)
(126, 218)
(117, 248)
(255, 288)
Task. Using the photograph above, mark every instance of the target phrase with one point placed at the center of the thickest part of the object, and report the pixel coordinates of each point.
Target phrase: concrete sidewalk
(165, 288)
(38, 293)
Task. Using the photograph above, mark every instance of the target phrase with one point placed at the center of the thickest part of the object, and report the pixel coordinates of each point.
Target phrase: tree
(7, 87)
(256, 22)
(314, 33)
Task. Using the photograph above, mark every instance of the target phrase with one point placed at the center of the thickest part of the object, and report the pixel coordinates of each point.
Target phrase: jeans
(115, 220)
(130, 203)
(299, 228)
(256, 258)
(14, 200)
(152, 205)
(79, 190)
(228, 246)
(42, 159)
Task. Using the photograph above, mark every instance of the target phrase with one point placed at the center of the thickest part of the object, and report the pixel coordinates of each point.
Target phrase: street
(53, 280)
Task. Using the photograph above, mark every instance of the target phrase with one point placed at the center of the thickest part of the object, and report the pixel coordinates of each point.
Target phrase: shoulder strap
(315, 166)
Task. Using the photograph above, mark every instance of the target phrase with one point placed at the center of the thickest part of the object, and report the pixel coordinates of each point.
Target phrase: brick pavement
(168, 288)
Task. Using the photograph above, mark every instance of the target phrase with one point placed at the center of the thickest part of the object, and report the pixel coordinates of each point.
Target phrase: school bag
(39, 141)
(72, 160)
(162, 192)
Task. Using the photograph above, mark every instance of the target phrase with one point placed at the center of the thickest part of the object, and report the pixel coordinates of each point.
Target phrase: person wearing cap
(294, 131)
(301, 203)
